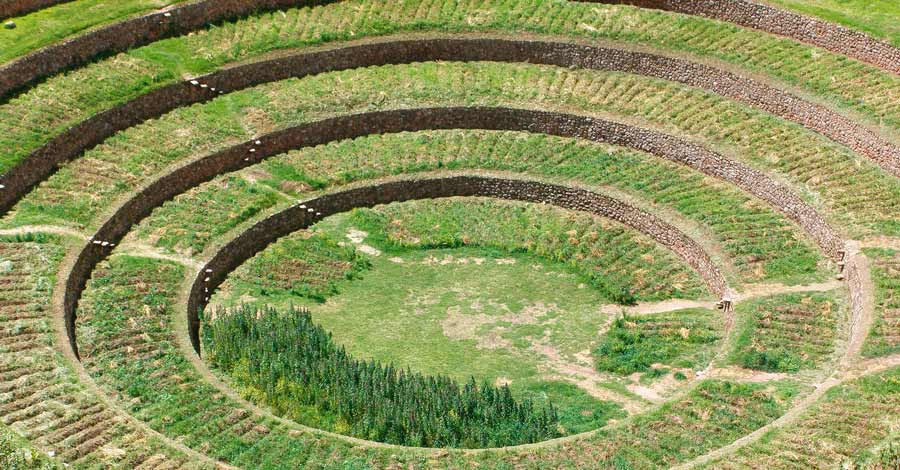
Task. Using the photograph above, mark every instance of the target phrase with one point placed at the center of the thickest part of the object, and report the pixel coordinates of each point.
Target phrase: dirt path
(649, 308)
(862, 299)
(763, 290)
(881, 242)
(585, 377)
(57, 230)
(849, 367)
(752, 291)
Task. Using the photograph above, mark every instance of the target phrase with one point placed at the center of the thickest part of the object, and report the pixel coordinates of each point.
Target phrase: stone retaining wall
(128, 34)
(240, 156)
(71, 144)
(12, 8)
(775, 20)
(303, 215)
(192, 16)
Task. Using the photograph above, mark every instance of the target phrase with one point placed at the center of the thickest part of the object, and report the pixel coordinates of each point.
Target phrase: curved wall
(70, 144)
(774, 20)
(510, 119)
(303, 215)
(12, 8)
(131, 33)
(185, 18)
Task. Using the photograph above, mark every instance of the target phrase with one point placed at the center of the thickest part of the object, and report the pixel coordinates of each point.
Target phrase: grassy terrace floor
(846, 424)
(65, 100)
(789, 332)
(851, 190)
(53, 24)
(43, 398)
(127, 312)
(757, 242)
(875, 17)
(511, 301)
(884, 337)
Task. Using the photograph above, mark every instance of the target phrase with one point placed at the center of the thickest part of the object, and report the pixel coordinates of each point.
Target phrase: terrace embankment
(345, 127)
(303, 215)
(774, 20)
(72, 143)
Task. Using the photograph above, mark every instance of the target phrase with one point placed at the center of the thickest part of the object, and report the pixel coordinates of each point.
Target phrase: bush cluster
(298, 369)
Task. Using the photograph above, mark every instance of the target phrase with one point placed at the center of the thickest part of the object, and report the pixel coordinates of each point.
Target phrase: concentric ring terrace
(511, 234)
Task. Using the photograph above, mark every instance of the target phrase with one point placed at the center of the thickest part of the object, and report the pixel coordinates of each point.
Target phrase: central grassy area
(506, 293)
(506, 318)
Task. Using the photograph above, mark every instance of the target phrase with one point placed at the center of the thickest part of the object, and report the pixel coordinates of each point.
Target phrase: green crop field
(636, 238)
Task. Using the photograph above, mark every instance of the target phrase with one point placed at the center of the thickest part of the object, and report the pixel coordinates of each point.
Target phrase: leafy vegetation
(635, 343)
(47, 110)
(469, 311)
(296, 365)
(17, 454)
(758, 241)
(786, 333)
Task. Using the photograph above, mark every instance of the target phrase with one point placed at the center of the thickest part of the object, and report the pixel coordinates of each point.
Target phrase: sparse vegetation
(884, 337)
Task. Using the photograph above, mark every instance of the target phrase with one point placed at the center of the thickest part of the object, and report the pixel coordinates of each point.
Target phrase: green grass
(47, 110)
(845, 188)
(44, 400)
(306, 266)
(225, 204)
(787, 332)
(50, 25)
(16, 453)
(760, 242)
(842, 426)
(876, 17)
(682, 339)
(460, 313)
(713, 414)
(128, 346)
(614, 259)
(884, 336)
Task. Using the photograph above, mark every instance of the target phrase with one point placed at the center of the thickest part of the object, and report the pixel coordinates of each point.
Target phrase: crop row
(683, 339)
(844, 425)
(884, 337)
(618, 261)
(80, 191)
(128, 310)
(304, 264)
(788, 332)
(68, 99)
(758, 241)
(853, 191)
(43, 398)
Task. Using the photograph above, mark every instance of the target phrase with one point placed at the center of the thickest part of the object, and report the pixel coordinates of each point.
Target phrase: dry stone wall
(752, 14)
(411, 120)
(71, 144)
(11, 8)
(131, 33)
(303, 215)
